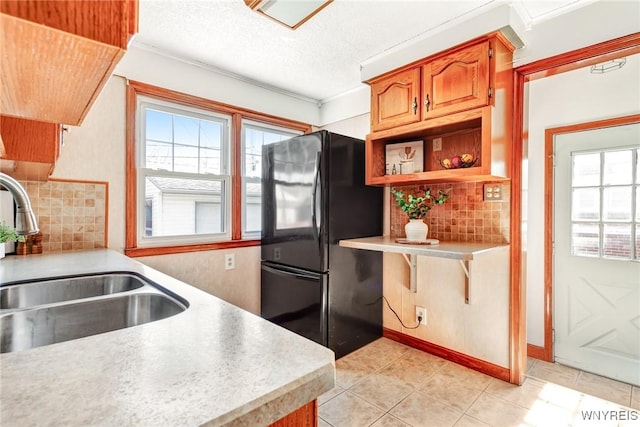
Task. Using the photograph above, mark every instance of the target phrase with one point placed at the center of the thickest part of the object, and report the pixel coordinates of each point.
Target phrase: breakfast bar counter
(464, 251)
(212, 364)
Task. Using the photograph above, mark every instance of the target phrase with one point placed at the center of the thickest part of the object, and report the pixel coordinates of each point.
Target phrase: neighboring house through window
(190, 161)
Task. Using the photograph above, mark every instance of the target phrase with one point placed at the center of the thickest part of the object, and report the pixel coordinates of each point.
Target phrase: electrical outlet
(437, 144)
(421, 312)
(492, 192)
(229, 261)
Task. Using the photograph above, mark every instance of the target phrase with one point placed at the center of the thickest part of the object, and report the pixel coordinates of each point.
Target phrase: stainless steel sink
(66, 289)
(50, 311)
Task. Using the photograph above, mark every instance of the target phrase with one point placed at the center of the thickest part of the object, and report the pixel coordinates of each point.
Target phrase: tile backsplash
(464, 218)
(71, 215)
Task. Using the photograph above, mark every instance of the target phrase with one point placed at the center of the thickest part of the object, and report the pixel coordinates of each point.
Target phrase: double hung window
(193, 171)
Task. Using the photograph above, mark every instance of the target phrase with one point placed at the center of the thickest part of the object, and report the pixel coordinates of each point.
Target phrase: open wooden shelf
(466, 132)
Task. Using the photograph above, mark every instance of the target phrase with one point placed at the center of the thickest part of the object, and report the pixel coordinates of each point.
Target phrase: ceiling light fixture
(290, 13)
(605, 67)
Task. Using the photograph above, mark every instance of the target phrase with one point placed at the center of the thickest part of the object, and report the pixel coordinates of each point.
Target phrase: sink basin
(44, 325)
(66, 289)
(48, 311)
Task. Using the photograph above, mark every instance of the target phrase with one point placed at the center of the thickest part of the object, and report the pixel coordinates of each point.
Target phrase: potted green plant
(416, 207)
(8, 234)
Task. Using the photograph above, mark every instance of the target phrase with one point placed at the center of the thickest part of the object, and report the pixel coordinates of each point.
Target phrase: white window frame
(144, 102)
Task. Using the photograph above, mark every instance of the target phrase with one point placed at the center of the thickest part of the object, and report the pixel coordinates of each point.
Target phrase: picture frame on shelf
(404, 158)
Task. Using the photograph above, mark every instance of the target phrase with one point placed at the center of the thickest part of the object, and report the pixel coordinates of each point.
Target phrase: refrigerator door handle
(314, 196)
(285, 272)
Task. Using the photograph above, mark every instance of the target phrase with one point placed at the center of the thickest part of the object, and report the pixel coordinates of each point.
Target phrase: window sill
(166, 250)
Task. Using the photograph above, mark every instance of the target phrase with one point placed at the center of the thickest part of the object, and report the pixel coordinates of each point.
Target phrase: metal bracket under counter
(462, 251)
(412, 260)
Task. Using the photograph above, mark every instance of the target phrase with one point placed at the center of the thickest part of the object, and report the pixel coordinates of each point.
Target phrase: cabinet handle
(427, 102)
(415, 105)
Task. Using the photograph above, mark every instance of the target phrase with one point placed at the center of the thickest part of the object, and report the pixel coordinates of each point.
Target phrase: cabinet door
(456, 82)
(395, 100)
(32, 146)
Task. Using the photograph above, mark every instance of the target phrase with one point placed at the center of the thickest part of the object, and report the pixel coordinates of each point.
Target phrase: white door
(596, 270)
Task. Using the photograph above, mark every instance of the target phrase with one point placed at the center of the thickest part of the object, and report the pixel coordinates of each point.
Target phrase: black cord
(400, 320)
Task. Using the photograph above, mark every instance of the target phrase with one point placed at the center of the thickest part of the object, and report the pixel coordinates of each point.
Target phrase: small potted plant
(8, 234)
(416, 208)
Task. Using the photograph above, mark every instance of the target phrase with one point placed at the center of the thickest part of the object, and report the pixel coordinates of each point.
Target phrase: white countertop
(453, 250)
(212, 364)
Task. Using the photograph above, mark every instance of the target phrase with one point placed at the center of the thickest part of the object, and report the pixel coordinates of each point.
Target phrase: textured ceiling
(319, 60)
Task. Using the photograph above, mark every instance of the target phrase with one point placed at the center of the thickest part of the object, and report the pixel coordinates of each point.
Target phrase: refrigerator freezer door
(296, 300)
(293, 210)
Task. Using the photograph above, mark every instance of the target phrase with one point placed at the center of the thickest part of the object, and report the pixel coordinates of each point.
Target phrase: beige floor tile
(420, 410)
(349, 372)
(451, 391)
(381, 390)
(635, 398)
(392, 348)
(530, 362)
(377, 355)
(467, 421)
(389, 421)
(497, 412)
(347, 410)
(526, 395)
(471, 378)
(324, 398)
(604, 388)
(560, 397)
(410, 373)
(323, 423)
(553, 372)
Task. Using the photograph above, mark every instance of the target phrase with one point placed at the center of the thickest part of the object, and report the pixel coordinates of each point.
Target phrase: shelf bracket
(467, 291)
(413, 271)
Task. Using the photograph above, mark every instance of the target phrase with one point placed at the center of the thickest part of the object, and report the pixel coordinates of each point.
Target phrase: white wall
(95, 151)
(198, 80)
(565, 99)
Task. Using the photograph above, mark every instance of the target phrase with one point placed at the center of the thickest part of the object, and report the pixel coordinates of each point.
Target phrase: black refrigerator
(313, 195)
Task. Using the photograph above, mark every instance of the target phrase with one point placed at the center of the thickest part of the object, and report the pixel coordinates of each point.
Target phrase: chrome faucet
(25, 219)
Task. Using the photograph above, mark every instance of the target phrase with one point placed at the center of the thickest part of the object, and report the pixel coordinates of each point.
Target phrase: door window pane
(585, 239)
(617, 241)
(586, 170)
(586, 204)
(617, 167)
(616, 204)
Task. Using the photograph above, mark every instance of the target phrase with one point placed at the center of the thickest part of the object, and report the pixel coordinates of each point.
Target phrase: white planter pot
(1, 250)
(416, 230)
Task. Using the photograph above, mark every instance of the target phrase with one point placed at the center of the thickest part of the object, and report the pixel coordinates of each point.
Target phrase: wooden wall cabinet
(464, 107)
(456, 82)
(31, 147)
(57, 55)
(395, 100)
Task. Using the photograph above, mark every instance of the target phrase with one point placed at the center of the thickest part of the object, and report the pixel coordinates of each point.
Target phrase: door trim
(549, 136)
(626, 45)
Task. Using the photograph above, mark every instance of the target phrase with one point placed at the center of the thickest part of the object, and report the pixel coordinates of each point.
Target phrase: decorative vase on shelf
(416, 230)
